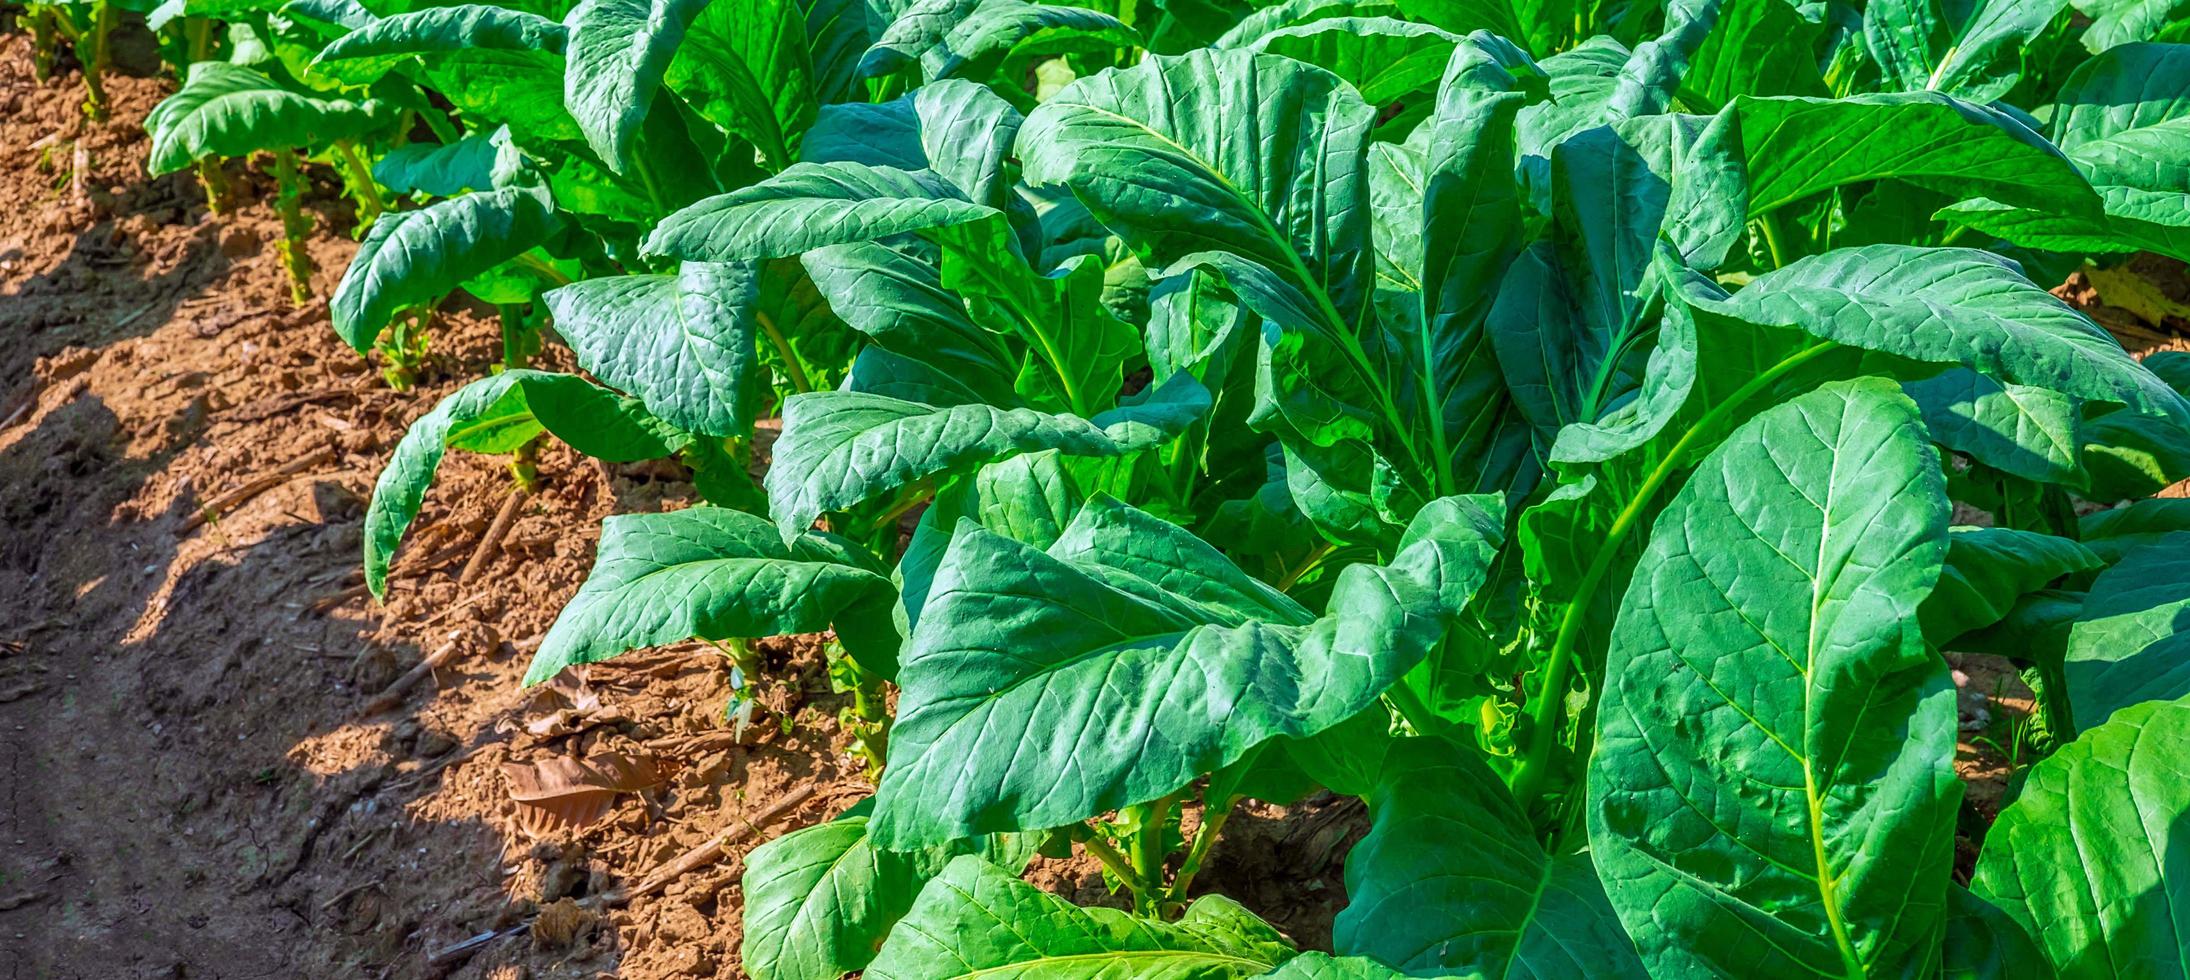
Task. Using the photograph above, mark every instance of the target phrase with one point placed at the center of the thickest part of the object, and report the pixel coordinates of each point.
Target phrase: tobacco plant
(1544, 423)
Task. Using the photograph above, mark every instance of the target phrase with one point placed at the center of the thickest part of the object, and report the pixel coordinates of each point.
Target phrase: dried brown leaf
(559, 794)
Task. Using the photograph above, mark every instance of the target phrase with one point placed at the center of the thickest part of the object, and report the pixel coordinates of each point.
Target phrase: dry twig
(222, 504)
(713, 850)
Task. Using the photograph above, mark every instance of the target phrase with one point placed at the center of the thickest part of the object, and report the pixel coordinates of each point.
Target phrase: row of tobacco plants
(1540, 420)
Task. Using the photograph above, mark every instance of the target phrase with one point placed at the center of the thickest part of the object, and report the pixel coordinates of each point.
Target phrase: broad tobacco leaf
(747, 67)
(1985, 943)
(978, 920)
(1971, 50)
(1451, 878)
(412, 257)
(809, 206)
(683, 342)
(495, 64)
(840, 448)
(819, 900)
(223, 110)
(1988, 569)
(2128, 644)
(1772, 792)
(718, 574)
(498, 414)
(2124, 119)
(1046, 686)
(2084, 859)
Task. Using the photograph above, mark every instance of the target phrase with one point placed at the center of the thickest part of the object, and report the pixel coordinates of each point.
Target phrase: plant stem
(1774, 238)
(215, 181)
(1308, 563)
(44, 39)
(1213, 816)
(438, 121)
(197, 41)
(869, 717)
(362, 186)
(289, 201)
(543, 269)
(1112, 861)
(102, 23)
(1545, 709)
(799, 381)
(1148, 820)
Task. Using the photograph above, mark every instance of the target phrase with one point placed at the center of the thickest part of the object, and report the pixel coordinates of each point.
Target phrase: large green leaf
(1984, 943)
(363, 55)
(1772, 792)
(498, 414)
(1383, 58)
(682, 342)
(2113, 534)
(2134, 220)
(1451, 878)
(1951, 306)
(2033, 433)
(746, 67)
(1323, 966)
(1758, 47)
(978, 920)
(809, 206)
(2123, 21)
(495, 64)
(223, 110)
(2129, 645)
(1972, 49)
(842, 447)
(1541, 25)
(897, 298)
(1127, 659)
(2084, 859)
(919, 27)
(1987, 570)
(717, 574)
(618, 52)
(412, 257)
(1794, 147)
(1155, 152)
(819, 900)
(447, 169)
(997, 33)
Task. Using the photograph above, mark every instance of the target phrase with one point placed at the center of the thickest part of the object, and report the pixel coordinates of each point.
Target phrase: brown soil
(190, 789)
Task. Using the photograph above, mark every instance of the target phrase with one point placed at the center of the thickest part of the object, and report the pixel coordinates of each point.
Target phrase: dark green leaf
(1772, 791)
(2084, 859)
(498, 414)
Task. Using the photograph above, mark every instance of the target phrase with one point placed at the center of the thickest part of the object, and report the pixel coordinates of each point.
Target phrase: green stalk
(1148, 853)
(543, 269)
(1774, 238)
(44, 40)
(518, 345)
(102, 23)
(289, 202)
(1213, 816)
(867, 718)
(799, 381)
(215, 181)
(1545, 710)
(363, 188)
(197, 42)
(438, 121)
(1113, 862)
